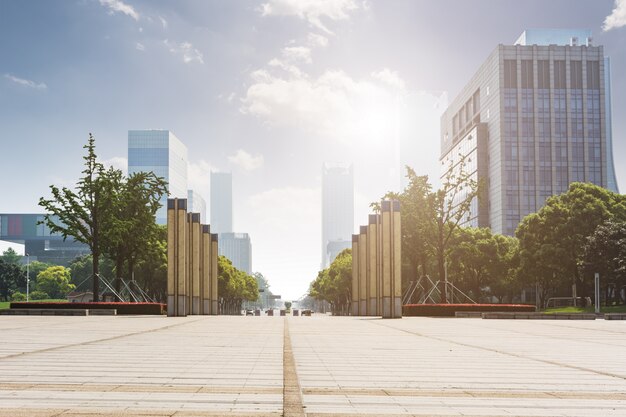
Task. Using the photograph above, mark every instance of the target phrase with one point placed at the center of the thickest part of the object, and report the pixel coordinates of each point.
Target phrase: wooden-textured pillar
(205, 270)
(363, 271)
(355, 276)
(372, 265)
(214, 272)
(391, 259)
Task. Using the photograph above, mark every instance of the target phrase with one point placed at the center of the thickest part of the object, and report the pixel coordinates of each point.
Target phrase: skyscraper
(337, 209)
(534, 118)
(196, 204)
(221, 202)
(238, 248)
(161, 152)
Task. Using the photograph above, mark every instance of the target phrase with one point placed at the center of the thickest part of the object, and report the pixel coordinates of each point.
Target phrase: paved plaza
(313, 366)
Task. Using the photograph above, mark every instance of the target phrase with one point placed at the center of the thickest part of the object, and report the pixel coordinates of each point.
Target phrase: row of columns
(377, 264)
(191, 263)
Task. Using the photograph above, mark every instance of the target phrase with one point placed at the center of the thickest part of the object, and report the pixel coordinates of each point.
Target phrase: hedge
(122, 308)
(448, 310)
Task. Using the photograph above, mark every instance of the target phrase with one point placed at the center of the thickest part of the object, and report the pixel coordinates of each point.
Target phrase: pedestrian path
(310, 366)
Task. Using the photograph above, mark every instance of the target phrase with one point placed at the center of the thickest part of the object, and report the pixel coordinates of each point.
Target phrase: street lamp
(27, 275)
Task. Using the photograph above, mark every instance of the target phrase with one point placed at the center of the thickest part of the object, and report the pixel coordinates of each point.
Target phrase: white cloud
(297, 53)
(118, 6)
(140, 47)
(163, 22)
(199, 177)
(186, 49)
(316, 40)
(117, 162)
(246, 161)
(311, 10)
(333, 105)
(389, 77)
(617, 18)
(25, 82)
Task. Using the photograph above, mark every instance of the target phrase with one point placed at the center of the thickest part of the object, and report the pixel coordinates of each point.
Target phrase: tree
(55, 281)
(12, 277)
(234, 286)
(85, 214)
(287, 305)
(151, 270)
(552, 241)
(605, 253)
(11, 257)
(135, 232)
(81, 270)
(334, 284)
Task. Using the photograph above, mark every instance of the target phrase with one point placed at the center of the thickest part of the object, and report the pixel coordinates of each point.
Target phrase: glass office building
(337, 210)
(38, 241)
(196, 204)
(534, 118)
(221, 202)
(160, 152)
(238, 248)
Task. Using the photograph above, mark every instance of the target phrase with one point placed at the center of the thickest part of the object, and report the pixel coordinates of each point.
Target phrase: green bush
(18, 296)
(39, 295)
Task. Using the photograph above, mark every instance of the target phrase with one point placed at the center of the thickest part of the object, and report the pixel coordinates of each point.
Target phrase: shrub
(38, 295)
(18, 296)
(448, 310)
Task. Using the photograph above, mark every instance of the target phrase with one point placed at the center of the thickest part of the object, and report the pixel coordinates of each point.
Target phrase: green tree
(333, 284)
(151, 270)
(135, 231)
(85, 214)
(12, 277)
(11, 257)
(605, 253)
(81, 270)
(552, 241)
(35, 268)
(234, 286)
(55, 281)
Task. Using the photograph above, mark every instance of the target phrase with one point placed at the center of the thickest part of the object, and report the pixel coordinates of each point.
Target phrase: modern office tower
(161, 152)
(196, 204)
(337, 209)
(238, 248)
(38, 241)
(221, 203)
(534, 118)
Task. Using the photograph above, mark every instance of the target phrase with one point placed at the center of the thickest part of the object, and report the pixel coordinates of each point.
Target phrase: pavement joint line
(106, 339)
(293, 405)
(515, 355)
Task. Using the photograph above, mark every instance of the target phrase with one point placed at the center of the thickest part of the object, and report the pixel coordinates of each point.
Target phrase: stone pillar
(205, 270)
(363, 271)
(354, 305)
(195, 231)
(188, 259)
(176, 257)
(214, 292)
(391, 259)
(372, 265)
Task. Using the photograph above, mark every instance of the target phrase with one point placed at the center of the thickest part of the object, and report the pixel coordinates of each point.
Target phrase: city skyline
(269, 96)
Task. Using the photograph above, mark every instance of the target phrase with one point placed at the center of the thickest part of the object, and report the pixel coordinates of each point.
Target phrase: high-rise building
(534, 118)
(337, 209)
(221, 202)
(196, 204)
(238, 248)
(161, 152)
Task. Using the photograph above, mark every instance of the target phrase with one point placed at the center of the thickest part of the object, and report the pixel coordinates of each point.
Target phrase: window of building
(510, 73)
(593, 75)
(576, 74)
(559, 75)
(527, 73)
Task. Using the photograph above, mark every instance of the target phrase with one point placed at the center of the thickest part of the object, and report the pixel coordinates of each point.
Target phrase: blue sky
(267, 89)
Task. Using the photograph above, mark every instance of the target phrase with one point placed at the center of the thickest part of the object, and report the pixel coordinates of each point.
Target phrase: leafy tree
(12, 277)
(85, 214)
(55, 281)
(35, 268)
(552, 241)
(605, 253)
(11, 257)
(18, 296)
(135, 232)
(234, 286)
(288, 305)
(151, 270)
(39, 295)
(334, 283)
(81, 270)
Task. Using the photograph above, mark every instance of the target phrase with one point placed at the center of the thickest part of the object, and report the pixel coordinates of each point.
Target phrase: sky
(265, 89)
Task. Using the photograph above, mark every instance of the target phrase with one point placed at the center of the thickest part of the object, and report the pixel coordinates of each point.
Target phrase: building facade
(39, 243)
(196, 204)
(221, 202)
(160, 152)
(238, 248)
(337, 210)
(533, 119)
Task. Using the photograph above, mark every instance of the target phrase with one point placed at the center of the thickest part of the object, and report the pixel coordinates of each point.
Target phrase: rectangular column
(205, 271)
(386, 257)
(372, 266)
(396, 251)
(355, 276)
(181, 257)
(171, 257)
(195, 263)
(391, 259)
(188, 259)
(363, 271)
(214, 272)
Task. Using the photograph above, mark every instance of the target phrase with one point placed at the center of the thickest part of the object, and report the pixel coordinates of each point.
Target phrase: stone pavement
(313, 366)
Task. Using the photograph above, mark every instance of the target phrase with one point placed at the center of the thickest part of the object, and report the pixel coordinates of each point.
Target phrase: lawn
(611, 309)
(5, 304)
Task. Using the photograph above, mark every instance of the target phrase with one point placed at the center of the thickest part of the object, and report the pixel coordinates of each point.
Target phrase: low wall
(122, 308)
(449, 310)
